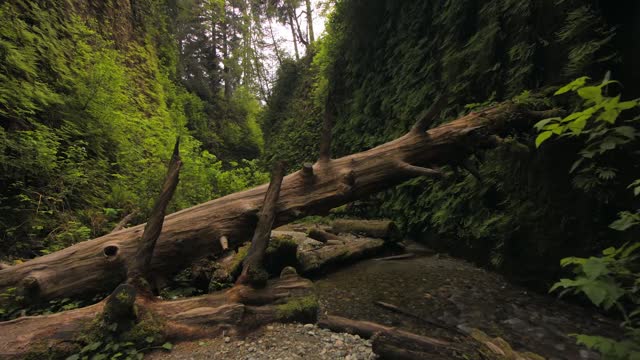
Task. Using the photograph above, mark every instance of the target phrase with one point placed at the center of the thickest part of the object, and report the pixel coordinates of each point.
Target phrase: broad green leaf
(544, 122)
(625, 221)
(595, 267)
(609, 143)
(575, 84)
(572, 261)
(592, 93)
(576, 164)
(578, 125)
(629, 249)
(626, 105)
(626, 131)
(595, 293)
(559, 129)
(167, 346)
(576, 115)
(542, 137)
(91, 347)
(609, 115)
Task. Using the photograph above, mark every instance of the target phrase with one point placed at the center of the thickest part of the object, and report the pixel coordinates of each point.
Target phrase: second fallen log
(382, 229)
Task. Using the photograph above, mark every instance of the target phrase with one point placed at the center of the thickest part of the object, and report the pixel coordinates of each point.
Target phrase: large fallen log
(100, 265)
(234, 311)
(132, 315)
(382, 229)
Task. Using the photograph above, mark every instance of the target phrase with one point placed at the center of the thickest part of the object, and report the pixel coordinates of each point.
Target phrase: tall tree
(310, 21)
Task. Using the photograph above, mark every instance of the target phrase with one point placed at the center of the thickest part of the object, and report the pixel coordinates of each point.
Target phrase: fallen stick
(397, 257)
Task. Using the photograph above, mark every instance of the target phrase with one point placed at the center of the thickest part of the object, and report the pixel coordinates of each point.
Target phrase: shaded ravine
(454, 292)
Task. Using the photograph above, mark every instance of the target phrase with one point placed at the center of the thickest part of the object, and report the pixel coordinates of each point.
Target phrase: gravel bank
(276, 342)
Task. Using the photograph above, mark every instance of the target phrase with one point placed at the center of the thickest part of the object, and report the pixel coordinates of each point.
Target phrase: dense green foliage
(609, 281)
(383, 62)
(90, 107)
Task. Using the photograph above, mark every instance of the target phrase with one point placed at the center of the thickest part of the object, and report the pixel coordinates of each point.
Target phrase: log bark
(100, 265)
(382, 229)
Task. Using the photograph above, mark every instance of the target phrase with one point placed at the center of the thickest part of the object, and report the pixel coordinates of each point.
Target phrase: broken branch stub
(253, 272)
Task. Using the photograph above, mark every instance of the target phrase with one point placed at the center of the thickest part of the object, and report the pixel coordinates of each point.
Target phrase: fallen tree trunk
(382, 229)
(100, 265)
(345, 251)
(234, 311)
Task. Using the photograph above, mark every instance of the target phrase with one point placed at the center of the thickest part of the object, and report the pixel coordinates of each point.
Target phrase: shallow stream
(450, 291)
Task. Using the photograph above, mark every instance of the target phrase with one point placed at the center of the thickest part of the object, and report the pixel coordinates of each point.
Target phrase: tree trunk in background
(225, 54)
(99, 265)
(293, 36)
(276, 48)
(310, 22)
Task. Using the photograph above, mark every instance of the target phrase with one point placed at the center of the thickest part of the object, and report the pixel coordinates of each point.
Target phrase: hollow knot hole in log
(110, 251)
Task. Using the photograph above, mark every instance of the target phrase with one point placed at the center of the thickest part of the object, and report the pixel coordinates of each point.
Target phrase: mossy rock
(300, 309)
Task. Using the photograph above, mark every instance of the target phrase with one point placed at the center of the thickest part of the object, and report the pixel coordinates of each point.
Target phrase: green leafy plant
(612, 280)
(598, 119)
(112, 349)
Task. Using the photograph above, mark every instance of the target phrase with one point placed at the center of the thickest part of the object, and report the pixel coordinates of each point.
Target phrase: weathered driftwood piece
(252, 266)
(394, 337)
(382, 229)
(100, 265)
(233, 311)
(323, 236)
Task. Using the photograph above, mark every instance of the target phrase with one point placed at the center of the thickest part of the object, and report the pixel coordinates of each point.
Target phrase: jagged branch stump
(253, 272)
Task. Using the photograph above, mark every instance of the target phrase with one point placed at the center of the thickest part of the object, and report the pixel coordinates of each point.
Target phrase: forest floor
(432, 287)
